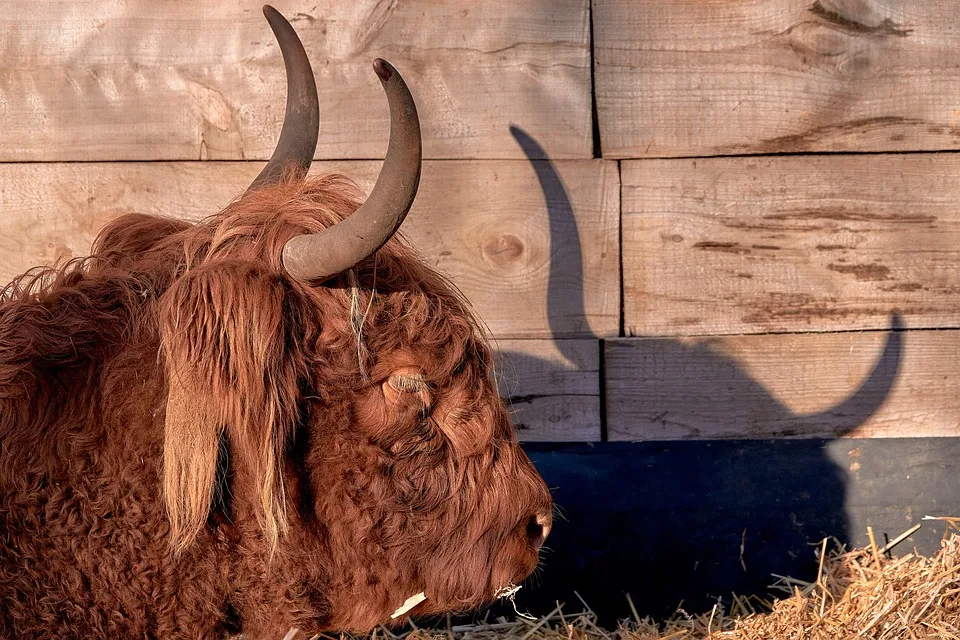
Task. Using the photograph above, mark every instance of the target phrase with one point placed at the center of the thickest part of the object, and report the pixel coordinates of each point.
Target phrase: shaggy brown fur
(193, 444)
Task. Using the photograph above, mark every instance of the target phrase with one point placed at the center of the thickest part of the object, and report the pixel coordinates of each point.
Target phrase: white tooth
(408, 604)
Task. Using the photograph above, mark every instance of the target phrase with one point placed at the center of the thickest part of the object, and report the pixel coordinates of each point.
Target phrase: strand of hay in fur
(358, 316)
(857, 594)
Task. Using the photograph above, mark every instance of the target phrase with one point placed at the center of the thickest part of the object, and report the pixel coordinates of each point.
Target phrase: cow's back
(85, 535)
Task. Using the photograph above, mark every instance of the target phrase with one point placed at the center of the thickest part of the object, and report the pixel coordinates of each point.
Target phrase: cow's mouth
(514, 565)
(515, 561)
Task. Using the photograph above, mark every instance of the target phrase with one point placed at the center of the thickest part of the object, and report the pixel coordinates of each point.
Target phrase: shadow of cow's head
(661, 496)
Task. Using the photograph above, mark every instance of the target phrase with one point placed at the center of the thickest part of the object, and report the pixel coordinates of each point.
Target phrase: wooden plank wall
(653, 268)
(749, 276)
(693, 78)
(185, 80)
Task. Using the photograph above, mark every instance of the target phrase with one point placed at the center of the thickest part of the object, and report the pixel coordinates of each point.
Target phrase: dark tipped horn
(301, 122)
(321, 255)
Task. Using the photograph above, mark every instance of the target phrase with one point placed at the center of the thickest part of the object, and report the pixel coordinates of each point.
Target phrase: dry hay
(863, 593)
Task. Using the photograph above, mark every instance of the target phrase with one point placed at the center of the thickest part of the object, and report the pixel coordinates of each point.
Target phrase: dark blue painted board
(664, 521)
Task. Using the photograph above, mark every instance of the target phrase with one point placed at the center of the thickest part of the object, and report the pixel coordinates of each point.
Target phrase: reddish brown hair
(313, 454)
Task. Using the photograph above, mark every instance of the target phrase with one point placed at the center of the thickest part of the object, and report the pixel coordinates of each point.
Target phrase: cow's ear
(232, 364)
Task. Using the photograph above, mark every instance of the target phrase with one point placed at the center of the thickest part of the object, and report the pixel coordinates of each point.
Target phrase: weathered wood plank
(687, 77)
(484, 223)
(187, 80)
(552, 387)
(877, 384)
(743, 245)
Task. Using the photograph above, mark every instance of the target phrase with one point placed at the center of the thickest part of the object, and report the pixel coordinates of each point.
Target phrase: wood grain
(745, 245)
(484, 223)
(876, 384)
(694, 78)
(193, 80)
(552, 387)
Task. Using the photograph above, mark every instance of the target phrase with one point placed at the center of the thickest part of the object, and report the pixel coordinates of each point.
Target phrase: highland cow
(278, 418)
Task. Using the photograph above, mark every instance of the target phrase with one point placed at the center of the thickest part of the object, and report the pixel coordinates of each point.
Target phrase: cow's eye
(408, 385)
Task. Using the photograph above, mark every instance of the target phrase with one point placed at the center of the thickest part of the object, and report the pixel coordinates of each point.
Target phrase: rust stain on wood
(843, 214)
(820, 309)
(885, 28)
(805, 140)
(904, 287)
(862, 272)
(753, 226)
(723, 247)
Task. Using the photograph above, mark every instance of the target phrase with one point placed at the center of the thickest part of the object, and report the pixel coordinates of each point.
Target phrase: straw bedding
(863, 593)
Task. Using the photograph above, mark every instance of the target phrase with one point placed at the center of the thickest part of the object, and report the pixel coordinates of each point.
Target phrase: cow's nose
(538, 528)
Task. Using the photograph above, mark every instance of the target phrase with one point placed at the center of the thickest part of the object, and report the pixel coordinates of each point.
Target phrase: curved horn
(321, 255)
(301, 122)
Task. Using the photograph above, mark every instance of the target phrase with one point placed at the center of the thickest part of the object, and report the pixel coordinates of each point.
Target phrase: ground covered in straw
(863, 593)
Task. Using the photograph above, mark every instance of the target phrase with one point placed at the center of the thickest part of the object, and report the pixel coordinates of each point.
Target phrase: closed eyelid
(408, 383)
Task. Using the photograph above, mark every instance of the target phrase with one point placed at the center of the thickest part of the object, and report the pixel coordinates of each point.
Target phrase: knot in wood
(503, 250)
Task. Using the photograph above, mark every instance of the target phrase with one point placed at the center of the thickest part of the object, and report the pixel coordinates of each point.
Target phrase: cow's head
(333, 395)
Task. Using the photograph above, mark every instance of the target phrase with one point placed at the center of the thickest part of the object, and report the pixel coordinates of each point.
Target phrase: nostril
(538, 528)
(534, 530)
